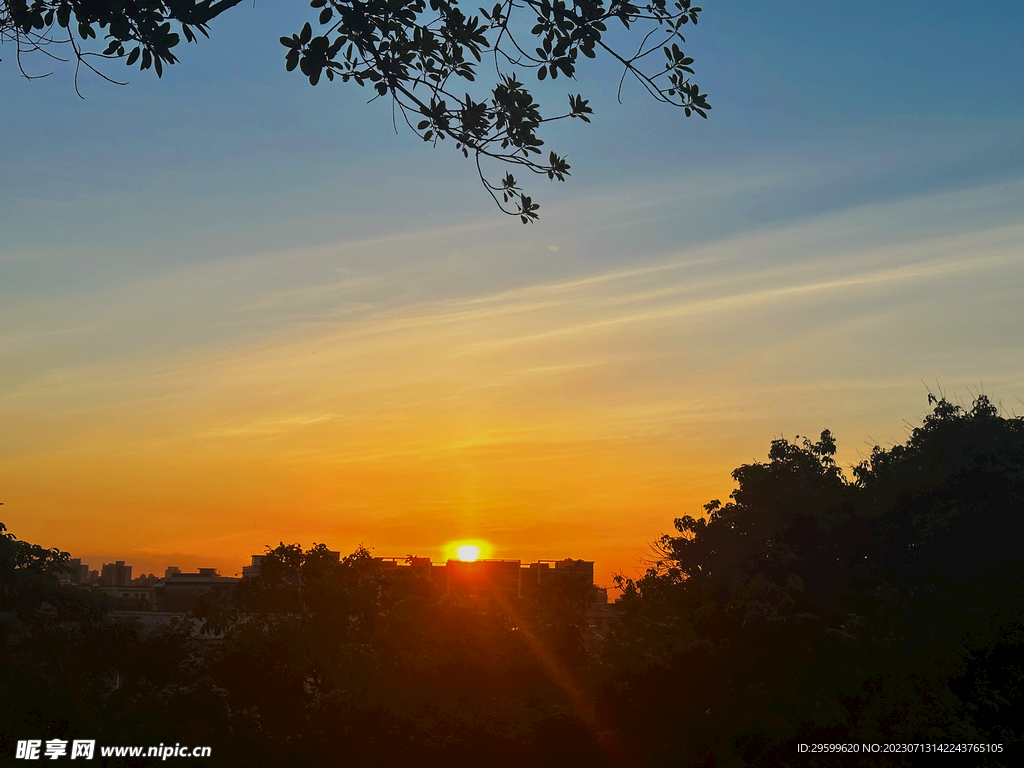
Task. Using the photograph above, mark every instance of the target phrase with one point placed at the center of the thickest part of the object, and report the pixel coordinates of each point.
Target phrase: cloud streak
(420, 393)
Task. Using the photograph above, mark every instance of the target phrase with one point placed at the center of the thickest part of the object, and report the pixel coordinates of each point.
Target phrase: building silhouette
(482, 580)
(179, 592)
(115, 574)
(78, 573)
(154, 601)
(253, 569)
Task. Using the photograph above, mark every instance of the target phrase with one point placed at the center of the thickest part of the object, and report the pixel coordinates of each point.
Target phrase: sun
(468, 550)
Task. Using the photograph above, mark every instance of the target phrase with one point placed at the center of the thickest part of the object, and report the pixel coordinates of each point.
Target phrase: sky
(237, 310)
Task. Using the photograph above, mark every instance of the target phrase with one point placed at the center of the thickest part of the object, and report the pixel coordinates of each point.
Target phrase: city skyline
(457, 552)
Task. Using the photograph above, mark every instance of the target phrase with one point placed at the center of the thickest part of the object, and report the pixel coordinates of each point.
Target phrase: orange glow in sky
(553, 416)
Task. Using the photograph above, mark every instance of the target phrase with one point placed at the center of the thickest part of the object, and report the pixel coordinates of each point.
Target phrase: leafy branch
(415, 51)
(420, 53)
(41, 25)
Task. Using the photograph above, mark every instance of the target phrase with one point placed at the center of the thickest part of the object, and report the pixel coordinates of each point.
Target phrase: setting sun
(468, 552)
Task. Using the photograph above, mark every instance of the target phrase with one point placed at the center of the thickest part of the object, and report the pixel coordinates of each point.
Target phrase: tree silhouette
(420, 55)
(815, 608)
(140, 31)
(32, 599)
(59, 654)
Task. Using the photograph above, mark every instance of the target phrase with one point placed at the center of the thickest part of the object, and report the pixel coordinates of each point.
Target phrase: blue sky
(845, 230)
(905, 97)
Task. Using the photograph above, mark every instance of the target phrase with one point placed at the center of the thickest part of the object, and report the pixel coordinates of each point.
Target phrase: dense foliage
(885, 608)
(815, 609)
(140, 31)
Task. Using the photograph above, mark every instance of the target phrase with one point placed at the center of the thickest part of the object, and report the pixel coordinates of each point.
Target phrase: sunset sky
(237, 310)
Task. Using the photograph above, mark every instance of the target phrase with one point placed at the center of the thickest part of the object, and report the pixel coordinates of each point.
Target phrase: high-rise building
(497, 579)
(544, 572)
(79, 574)
(115, 574)
(483, 578)
(253, 570)
(179, 591)
(491, 578)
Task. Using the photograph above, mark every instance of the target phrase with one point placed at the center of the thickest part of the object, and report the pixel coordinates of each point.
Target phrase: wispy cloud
(399, 399)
